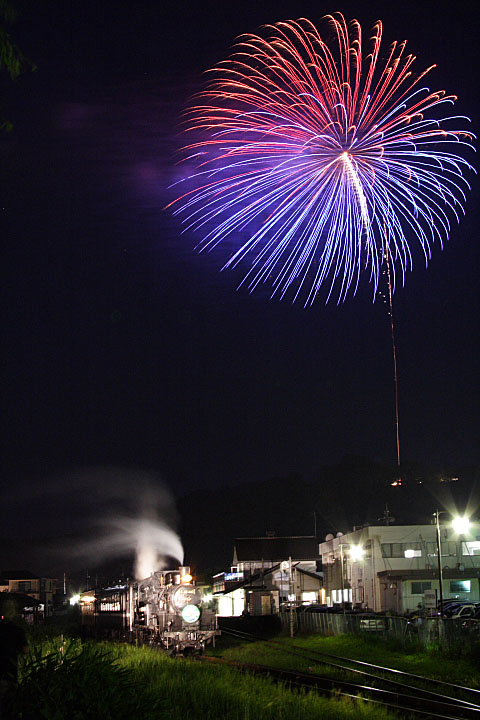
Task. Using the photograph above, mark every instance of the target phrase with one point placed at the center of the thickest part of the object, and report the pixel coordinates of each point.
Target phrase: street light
(460, 526)
(356, 553)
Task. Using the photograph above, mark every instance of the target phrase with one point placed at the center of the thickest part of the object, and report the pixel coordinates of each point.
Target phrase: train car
(164, 610)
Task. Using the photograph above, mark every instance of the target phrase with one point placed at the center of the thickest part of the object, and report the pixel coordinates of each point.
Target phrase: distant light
(461, 525)
(356, 552)
(409, 553)
(207, 598)
(74, 600)
(87, 599)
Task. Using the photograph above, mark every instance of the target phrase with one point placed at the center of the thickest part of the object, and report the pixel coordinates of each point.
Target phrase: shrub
(75, 682)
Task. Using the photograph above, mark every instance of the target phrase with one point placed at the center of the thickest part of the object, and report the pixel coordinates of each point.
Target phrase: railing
(428, 631)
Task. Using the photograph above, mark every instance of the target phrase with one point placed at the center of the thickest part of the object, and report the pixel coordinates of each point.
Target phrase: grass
(389, 653)
(77, 681)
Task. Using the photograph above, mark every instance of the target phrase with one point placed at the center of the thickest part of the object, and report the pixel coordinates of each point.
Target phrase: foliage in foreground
(117, 682)
(74, 681)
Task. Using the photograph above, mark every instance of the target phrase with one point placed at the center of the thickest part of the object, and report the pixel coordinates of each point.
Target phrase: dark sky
(126, 348)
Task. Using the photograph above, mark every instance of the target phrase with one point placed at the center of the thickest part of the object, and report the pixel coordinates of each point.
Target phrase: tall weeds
(74, 681)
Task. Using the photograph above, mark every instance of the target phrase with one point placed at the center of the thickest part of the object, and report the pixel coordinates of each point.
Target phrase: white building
(262, 577)
(391, 567)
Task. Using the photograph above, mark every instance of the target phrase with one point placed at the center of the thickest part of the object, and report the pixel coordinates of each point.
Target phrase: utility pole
(439, 558)
(292, 593)
(342, 573)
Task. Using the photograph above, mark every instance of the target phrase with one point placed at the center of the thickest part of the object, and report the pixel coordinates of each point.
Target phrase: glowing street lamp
(356, 553)
(461, 525)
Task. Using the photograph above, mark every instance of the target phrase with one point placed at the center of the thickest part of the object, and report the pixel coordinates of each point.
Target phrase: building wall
(276, 585)
(39, 588)
(232, 604)
(405, 550)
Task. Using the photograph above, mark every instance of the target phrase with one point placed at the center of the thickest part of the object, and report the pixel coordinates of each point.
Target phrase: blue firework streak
(322, 164)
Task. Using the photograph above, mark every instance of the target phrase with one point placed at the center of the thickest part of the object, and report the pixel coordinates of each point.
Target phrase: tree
(12, 61)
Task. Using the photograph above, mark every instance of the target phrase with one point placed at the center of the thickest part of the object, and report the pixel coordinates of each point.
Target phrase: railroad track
(399, 696)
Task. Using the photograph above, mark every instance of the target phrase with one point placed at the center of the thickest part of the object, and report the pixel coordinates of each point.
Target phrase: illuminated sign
(234, 576)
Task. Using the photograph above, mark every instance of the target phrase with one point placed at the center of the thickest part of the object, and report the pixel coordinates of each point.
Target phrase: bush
(74, 682)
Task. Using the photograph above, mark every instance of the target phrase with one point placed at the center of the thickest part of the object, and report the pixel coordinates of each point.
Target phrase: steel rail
(397, 702)
(317, 656)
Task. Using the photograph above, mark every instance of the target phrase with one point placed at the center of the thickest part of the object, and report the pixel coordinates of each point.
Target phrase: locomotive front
(166, 610)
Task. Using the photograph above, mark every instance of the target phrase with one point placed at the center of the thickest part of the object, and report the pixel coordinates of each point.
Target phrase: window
(368, 550)
(392, 550)
(399, 550)
(449, 548)
(460, 586)
(386, 549)
(110, 603)
(418, 588)
(411, 553)
(471, 548)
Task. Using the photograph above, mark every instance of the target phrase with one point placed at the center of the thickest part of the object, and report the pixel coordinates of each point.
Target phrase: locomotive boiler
(165, 610)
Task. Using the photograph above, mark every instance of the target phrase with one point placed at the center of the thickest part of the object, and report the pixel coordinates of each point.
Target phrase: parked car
(453, 608)
(290, 606)
(461, 611)
(317, 608)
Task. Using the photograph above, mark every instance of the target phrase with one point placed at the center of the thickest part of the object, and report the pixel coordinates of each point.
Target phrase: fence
(427, 631)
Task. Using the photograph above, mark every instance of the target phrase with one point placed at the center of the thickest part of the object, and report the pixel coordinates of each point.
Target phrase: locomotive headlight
(190, 613)
(186, 578)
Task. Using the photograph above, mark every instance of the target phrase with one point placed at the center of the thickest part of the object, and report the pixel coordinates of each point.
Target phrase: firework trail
(318, 159)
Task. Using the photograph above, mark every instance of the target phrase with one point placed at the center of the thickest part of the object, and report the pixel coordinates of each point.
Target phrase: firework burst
(319, 162)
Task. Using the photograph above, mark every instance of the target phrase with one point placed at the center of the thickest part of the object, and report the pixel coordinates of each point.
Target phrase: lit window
(472, 547)
(460, 586)
(411, 553)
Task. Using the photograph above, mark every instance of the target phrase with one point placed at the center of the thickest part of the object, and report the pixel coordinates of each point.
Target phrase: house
(27, 583)
(395, 567)
(268, 571)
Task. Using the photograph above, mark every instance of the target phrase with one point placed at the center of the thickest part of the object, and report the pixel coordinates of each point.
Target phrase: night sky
(125, 348)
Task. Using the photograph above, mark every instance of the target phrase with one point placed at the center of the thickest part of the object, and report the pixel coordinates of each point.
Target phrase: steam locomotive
(164, 610)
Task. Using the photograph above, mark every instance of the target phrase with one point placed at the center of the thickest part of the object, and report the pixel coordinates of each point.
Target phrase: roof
(19, 575)
(21, 599)
(275, 549)
(316, 576)
(248, 581)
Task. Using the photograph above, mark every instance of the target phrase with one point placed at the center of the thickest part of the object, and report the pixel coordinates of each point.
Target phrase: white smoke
(112, 513)
(155, 542)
